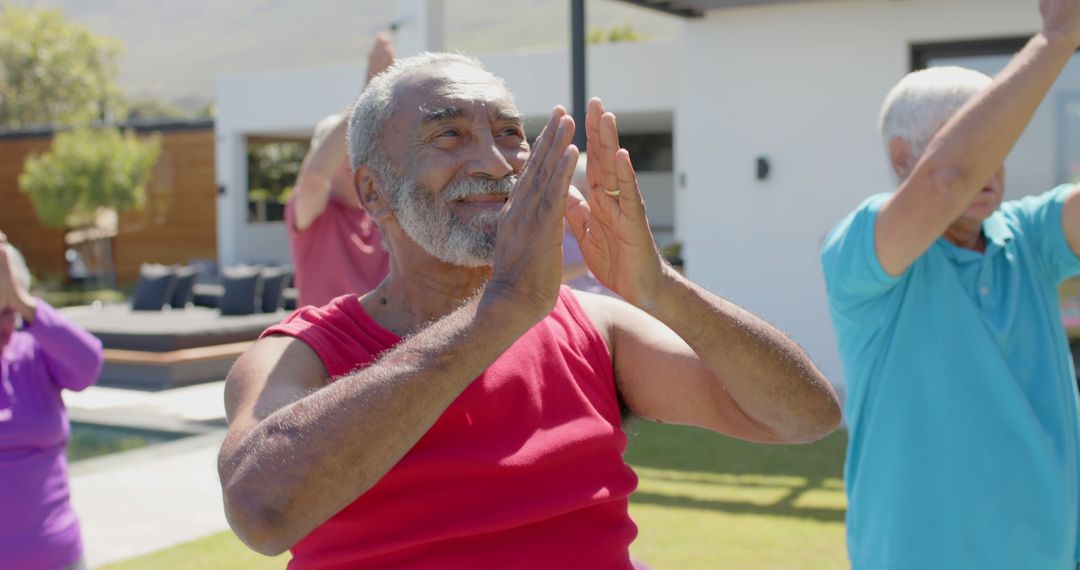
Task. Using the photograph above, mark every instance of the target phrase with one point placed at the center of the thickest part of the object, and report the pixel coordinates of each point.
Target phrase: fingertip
(625, 165)
(567, 162)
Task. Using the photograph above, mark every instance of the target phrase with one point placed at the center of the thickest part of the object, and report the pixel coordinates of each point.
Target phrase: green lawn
(74, 296)
(710, 502)
(703, 502)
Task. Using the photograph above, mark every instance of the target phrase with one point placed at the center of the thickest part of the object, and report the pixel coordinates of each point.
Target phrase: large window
(1048, 153)
(272, 167)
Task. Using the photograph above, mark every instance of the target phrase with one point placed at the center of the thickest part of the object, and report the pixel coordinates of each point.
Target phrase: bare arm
(298, 452)
(313, 184)
(734, 373)
(971, 146)
(685, 355)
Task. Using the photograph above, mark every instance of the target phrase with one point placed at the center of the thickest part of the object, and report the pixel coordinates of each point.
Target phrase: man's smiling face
(455, 144)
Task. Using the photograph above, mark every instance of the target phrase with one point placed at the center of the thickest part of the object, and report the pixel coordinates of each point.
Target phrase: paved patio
(152, 498)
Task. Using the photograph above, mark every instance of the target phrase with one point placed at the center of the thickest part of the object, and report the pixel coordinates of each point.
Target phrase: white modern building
(795, 84)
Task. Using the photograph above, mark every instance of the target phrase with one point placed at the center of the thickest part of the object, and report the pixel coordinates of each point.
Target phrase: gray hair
(18, 265)
(924, 100)
(376, 104)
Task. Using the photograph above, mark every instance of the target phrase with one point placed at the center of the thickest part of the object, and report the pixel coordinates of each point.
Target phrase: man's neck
(967, 237)
(415, 294)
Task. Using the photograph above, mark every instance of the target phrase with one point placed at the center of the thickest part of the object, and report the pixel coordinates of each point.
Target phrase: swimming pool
(93, 440)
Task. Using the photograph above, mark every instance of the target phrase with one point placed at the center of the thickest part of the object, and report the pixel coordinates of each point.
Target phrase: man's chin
(979, 212)
(472, 262)
(461, 257)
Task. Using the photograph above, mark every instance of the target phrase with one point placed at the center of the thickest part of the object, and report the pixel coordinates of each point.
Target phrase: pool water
(93, 440)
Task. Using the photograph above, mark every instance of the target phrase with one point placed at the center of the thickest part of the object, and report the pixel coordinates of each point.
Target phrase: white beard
(427, 219)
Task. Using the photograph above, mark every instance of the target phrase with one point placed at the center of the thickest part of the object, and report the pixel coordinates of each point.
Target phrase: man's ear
(900, 157)
(372, 195)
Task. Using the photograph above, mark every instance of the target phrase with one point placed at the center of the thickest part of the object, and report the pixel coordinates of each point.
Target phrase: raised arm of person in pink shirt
(325, 170)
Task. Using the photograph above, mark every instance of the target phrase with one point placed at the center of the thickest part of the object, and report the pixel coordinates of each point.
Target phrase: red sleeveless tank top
(523, 470)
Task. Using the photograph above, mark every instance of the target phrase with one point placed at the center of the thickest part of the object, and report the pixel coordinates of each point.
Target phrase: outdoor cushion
(274, 281)
(207, 270)
(289, 297)
(154, 288)
(183, 291)
(243, 291)
(207, 295)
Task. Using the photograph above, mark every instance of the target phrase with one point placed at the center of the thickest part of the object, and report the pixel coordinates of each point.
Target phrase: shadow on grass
(698, 457)
(782, 508)
(683, 448)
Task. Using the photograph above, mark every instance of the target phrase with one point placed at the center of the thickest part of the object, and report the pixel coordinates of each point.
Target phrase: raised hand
(9, 288)
(12, 294)
(381, 55)
(610, 225)
(1061, 19)
(528, 250)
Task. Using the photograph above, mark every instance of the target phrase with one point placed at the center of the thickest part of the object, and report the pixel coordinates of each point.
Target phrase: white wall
(267, 103)
(291, 102)
(643, 99)
(801, 84)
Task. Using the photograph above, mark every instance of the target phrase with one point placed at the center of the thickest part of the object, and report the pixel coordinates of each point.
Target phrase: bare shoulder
(601, 310)
(616, 319)
(274, 372)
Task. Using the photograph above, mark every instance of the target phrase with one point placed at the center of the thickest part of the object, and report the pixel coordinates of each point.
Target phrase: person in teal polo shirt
(962, 403)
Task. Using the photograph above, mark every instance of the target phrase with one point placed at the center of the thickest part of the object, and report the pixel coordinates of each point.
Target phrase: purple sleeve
(571, 251)
(72, 355)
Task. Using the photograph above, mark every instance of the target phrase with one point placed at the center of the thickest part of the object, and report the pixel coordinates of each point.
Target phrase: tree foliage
(53, 71)
(617, 34)
(88, 169)
(149, 108)
(273, 169)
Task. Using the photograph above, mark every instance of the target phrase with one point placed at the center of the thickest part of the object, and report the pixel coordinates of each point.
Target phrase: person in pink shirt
(336, 247)
(467, 412)
(45, 355)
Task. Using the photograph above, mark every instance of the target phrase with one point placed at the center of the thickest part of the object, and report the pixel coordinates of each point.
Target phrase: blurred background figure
(41, 353)
(336, 247)
(961, 403)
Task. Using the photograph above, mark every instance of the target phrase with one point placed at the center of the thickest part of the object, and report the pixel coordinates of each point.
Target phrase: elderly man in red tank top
(466, 413)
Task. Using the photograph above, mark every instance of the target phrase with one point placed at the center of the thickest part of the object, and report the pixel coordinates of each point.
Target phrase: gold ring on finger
(614, 193)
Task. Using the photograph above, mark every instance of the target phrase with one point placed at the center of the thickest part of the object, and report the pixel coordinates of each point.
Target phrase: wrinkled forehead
(451, 90)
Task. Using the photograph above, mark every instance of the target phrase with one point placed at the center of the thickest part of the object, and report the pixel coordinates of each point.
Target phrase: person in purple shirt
(41, 353)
